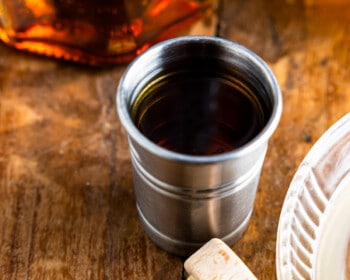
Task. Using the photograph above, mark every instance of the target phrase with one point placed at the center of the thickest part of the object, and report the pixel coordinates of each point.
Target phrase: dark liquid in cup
(198, 114)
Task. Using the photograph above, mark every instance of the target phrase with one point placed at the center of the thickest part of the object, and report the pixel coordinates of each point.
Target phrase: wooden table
(67, 206)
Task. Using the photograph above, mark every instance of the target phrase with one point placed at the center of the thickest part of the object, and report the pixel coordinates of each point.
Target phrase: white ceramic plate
(314, 227)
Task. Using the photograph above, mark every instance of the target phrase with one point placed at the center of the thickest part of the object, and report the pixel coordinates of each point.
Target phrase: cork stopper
(215, 260)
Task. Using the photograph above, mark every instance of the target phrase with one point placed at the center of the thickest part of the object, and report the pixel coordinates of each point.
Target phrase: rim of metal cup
(124, 102)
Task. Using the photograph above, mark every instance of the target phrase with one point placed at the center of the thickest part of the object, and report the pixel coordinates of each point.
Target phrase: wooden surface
(67, 207)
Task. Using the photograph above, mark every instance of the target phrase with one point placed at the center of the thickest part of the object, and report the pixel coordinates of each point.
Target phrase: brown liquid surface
(198, 115)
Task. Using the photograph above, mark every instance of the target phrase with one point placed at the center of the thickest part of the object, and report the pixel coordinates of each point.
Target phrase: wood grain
(67, 206)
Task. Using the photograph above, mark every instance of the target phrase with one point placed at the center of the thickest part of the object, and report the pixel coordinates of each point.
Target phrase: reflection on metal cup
(185, 196)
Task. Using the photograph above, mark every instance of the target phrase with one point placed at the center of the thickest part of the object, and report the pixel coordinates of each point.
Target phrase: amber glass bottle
(95, 31)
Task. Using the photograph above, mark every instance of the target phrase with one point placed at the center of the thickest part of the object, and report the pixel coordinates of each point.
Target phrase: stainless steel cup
(184, 200)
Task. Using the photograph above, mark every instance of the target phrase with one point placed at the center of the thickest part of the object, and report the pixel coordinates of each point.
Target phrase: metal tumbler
(183, 200)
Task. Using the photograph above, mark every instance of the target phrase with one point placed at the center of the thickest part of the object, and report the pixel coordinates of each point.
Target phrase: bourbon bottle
(95, 31)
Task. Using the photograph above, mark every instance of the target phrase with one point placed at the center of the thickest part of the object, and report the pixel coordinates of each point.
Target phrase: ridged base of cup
(184, 248)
